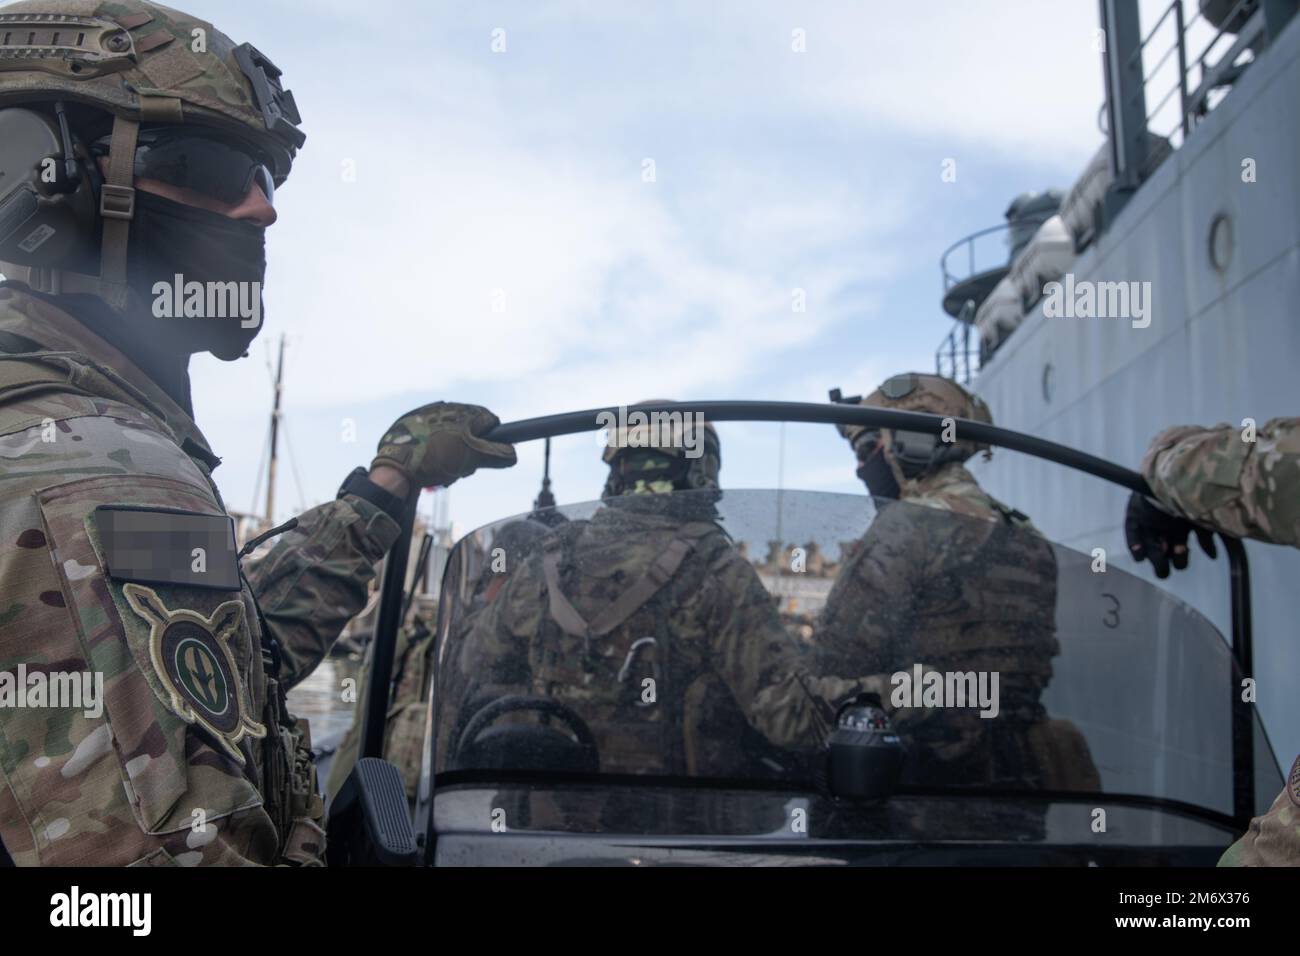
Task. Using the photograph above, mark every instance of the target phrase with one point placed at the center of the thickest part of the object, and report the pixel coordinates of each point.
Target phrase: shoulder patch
(1293, 783)
(164, 546)
(192, 658)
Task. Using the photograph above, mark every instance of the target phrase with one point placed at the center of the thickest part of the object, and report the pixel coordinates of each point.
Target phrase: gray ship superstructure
(1160, 289)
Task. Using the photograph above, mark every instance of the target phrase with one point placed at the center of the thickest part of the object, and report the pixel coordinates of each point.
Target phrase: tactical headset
(51, 187)
(49, 192)
(55, 196)
(915, 452)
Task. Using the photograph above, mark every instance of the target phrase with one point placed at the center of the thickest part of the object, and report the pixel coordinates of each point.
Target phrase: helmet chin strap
(116, 209)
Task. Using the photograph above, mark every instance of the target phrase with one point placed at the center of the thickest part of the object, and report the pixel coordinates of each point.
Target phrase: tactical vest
(618, 668)
(990, 601)
(990, 607)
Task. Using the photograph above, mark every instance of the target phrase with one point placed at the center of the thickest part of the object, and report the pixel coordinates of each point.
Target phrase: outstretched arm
(316, 577)
(1219, 478)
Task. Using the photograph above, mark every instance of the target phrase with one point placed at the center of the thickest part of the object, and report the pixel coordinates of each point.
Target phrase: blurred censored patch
(162, 546)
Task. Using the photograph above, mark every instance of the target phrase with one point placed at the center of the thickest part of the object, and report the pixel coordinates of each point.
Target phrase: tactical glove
(439, 443)
(1157, 536)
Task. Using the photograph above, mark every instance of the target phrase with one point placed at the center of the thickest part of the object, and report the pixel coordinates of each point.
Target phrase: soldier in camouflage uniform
(413, 666)
(956, 581)
(647, 623)
(107, 480)
(1240, 483)
(405, 722)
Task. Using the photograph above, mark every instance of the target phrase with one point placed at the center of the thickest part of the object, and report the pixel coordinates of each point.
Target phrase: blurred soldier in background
(647, 622)
(163, 154)
(404, 725)
(956, 581)
(1240, 483)
(412, 669)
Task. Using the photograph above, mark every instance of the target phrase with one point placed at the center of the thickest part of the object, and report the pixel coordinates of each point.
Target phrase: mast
(275, 437)
(545, 499)
(780, 489)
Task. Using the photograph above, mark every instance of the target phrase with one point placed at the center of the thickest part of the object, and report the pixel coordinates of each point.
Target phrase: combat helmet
(916, 453)
(661, 451)
(135, 63)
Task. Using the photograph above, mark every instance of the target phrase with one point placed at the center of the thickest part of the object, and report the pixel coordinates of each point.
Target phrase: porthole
(1221, 242)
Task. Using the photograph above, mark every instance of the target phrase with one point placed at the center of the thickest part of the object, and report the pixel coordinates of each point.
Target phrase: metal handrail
(570, 423)
(1178, 46)
(1192, 104)
(950, 279)
(958, 360)
(593, 419)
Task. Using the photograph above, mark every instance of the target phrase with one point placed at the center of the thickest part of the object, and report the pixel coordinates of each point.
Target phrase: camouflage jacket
(948, 577)
(951, 579)
(192, 758)
(1217, 478)
(695, 674)
(1250, 489)
(953, 488)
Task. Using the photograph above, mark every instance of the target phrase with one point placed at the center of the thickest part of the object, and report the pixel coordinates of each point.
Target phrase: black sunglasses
(204, 163)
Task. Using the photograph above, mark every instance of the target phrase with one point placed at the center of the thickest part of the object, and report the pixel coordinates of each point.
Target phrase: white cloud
(522, 173)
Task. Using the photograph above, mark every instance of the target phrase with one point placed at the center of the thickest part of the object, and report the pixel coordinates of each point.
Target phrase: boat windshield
(706, 636)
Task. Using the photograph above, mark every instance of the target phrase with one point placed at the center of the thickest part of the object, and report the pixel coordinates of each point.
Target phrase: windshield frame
(392, 599)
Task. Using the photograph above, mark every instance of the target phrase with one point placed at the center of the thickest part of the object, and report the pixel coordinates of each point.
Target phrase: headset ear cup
(30, 143)
(49, 213)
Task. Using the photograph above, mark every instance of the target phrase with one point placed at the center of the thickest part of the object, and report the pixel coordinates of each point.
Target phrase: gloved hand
(439, 443)
(1157, 536)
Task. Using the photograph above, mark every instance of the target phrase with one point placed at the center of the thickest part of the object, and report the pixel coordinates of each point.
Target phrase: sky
(548, 208)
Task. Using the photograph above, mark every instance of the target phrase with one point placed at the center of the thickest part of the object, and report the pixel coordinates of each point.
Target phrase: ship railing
(957, 358)
(976, 260)
(1224, 55)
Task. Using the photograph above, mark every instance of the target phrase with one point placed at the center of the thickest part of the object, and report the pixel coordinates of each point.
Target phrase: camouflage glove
(1155, 535)
(439, 443)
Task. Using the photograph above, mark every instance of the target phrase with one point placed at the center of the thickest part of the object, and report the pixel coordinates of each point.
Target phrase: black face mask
(208, 251)
(878, 476)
